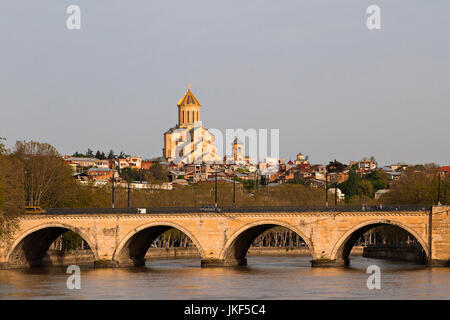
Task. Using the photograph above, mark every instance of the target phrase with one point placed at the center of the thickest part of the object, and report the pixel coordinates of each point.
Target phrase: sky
(312, 69)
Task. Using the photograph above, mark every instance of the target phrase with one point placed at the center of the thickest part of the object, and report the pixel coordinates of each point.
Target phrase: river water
(263, 278)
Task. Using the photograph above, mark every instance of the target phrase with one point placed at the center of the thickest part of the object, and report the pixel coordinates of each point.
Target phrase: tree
(414, 187)
(379, 179)
(11, 191)
(100, 155)
(365, 188)
(157, 172)
(48, 179)
(298, 181)
(336, 166)
(89, 153)
(129, 174)
(431, 166)
(351, 186)
(78, 155)
(71, 240)
(111, 154)
(123, 155)
(372, 158)
(249, 185)
(2, 146)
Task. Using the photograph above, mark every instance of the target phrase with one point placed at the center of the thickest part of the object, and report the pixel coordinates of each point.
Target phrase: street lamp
(112, 193)
(28, 188)
(234, 192)
(439, 189)
(215, 187)
(335, 194)
(445, 194)
(129, 174)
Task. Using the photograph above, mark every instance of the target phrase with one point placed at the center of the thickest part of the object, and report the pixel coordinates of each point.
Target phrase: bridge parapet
(249, 209)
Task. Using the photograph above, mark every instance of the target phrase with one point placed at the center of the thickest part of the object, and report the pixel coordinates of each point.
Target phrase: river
(263, 278)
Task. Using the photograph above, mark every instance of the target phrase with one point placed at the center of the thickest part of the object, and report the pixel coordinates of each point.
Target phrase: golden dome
(188, 100)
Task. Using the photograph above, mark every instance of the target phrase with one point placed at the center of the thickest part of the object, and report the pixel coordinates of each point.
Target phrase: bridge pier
(106, 264)
(11, 266)
(323, 263)
(138, 262)
(439, 263)
(223, 263)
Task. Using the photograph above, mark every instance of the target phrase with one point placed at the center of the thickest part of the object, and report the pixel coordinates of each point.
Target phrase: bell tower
(238, 150)
(188, 109)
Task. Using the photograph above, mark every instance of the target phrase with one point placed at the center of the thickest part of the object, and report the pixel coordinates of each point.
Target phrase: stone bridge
(222, 239)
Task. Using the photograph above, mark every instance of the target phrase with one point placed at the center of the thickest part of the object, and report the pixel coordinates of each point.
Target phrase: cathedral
(188, 141)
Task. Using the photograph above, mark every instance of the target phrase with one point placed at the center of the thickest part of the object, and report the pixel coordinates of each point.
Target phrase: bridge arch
(133, 247)
(341, 249)
(29, 248)
(236, 247)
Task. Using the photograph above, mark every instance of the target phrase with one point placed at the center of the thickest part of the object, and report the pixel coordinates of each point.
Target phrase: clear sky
(312, 69)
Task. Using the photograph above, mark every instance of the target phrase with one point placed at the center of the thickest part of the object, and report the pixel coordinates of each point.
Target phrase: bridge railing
(156, 210)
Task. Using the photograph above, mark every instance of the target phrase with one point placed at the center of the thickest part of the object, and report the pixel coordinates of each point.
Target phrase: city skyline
(228, 155)
(334, 89)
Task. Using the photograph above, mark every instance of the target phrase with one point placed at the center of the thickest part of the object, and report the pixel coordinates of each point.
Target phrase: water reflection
(263, 278)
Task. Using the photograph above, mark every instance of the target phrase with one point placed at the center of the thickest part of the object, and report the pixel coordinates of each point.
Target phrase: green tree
(123, 155)
(129, 174)
(157, 173)
(78, 155)
(298, 181)
(336, 166)
(249, 185)
(89, 153)
(379, 179)
(2, 146)
(350, 187)
(71, 240)
(111, 154)
(414, 187)
(365, 188)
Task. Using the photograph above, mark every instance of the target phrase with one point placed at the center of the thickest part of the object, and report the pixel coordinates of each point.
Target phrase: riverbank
(410, 254)
(61, 258)
(290, 251)
(57, 258)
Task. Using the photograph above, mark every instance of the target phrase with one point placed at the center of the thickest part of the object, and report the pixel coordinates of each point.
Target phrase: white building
(340, 195)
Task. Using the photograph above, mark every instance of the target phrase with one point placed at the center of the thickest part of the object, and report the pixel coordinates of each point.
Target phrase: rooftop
(81, 159)
(188, 100)
(100, 169)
